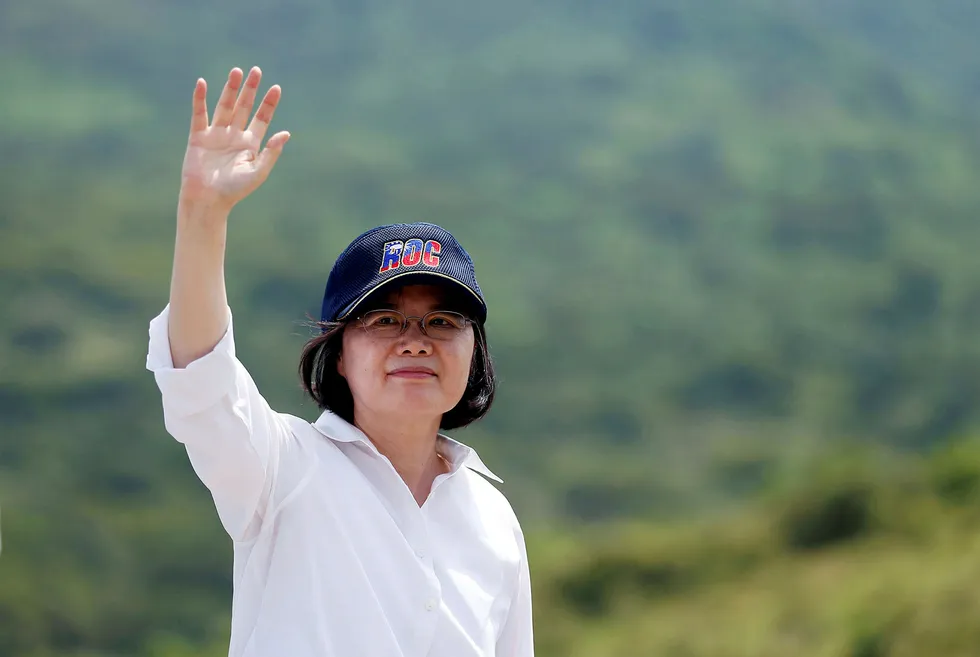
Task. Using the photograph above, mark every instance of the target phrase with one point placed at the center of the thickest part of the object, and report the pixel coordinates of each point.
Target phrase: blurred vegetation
(729, 251)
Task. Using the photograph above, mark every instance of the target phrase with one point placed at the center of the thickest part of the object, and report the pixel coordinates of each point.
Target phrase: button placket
(421, 541)
(424, 554)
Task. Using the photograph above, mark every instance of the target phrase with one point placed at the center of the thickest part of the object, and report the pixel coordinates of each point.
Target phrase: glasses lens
(444, 324)
(383, 322)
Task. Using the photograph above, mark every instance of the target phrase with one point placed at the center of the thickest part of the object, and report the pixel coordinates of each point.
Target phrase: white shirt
(333, 557)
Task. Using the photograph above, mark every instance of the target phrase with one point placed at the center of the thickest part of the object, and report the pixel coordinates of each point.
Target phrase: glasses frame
(407, 319)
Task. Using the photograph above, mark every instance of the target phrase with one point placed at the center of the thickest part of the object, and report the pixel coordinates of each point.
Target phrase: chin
(420, 404)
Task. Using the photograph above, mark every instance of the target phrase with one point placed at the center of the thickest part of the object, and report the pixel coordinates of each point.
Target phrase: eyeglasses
(438, 324)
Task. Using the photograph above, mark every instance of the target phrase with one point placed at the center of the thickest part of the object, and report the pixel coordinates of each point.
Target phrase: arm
(220, 169)
(517, 635)
(210, 403)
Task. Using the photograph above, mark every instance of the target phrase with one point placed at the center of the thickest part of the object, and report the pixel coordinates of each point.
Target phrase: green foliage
(736, 586)
(955, 473)
(719, 241)
(630, 565)
(837, 502)
(839, 515)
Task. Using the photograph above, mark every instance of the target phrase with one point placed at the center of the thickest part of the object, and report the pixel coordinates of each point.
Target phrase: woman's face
(412, 374)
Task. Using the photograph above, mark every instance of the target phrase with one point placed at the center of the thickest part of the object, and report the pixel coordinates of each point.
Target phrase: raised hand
(224, 161)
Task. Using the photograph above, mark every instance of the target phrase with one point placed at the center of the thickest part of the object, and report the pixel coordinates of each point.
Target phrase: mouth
(412, 373)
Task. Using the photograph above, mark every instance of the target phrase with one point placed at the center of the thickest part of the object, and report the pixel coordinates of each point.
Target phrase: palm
(223, 162)
(220, 161)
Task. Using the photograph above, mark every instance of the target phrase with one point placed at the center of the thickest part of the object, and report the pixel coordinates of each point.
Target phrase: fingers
(278, 140)
(243, 107)
(233, 109)
(225, 109)
(260, 124)
(267, 158)
(199, 107)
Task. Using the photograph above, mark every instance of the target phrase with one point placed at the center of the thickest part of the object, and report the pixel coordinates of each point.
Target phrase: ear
(340, 365)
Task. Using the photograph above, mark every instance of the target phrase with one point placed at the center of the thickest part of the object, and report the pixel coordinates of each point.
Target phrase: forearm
(198, 299)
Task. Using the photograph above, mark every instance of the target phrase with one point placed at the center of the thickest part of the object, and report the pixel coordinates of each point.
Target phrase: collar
(459, 455)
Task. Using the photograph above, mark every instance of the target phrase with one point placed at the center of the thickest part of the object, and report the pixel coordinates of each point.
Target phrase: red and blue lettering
(430, 256)
(392, 255)
(412, 253)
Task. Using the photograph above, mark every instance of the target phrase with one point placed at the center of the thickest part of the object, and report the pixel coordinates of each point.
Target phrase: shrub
(820, 518)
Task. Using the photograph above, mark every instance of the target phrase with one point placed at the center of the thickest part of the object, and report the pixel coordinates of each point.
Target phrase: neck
(410, 446)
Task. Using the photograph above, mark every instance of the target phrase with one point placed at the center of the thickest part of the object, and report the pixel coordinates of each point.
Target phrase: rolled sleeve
(232, 437)
(203, 382)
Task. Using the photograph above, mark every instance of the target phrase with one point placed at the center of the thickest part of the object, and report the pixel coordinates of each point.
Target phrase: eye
(446, 321)
(382, 319)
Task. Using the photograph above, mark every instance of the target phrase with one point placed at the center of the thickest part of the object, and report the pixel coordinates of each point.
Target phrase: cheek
(357, 365)
(459, 361)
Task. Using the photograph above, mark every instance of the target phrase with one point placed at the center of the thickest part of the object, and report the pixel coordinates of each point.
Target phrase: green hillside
(721, 242)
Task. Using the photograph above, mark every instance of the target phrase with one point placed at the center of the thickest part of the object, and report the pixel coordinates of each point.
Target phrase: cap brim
(408, 277)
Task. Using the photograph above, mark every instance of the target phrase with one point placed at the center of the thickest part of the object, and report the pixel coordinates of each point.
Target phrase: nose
(413, 341)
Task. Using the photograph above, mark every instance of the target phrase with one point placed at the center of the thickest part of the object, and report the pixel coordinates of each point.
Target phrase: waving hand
(225, 161)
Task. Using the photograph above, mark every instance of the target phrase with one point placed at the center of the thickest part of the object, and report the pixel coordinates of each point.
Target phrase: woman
(367, 532)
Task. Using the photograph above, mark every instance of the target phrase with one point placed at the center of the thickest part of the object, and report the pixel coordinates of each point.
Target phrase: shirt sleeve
(517, 636)
(232, 436)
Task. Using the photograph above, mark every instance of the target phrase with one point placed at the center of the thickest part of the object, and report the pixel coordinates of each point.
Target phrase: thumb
(273, 149)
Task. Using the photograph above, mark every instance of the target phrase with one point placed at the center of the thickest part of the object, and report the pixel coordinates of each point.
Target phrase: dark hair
(324, 384)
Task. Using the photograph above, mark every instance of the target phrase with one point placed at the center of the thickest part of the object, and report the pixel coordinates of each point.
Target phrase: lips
(412, 373)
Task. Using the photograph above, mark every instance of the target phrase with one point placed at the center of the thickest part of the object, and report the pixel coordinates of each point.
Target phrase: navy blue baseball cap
(416, 252)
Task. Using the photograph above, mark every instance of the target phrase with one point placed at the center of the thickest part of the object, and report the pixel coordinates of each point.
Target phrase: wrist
(202, 212)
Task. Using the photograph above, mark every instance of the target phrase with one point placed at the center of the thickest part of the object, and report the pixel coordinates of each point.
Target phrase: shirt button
(420, 554)
(430, 605)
